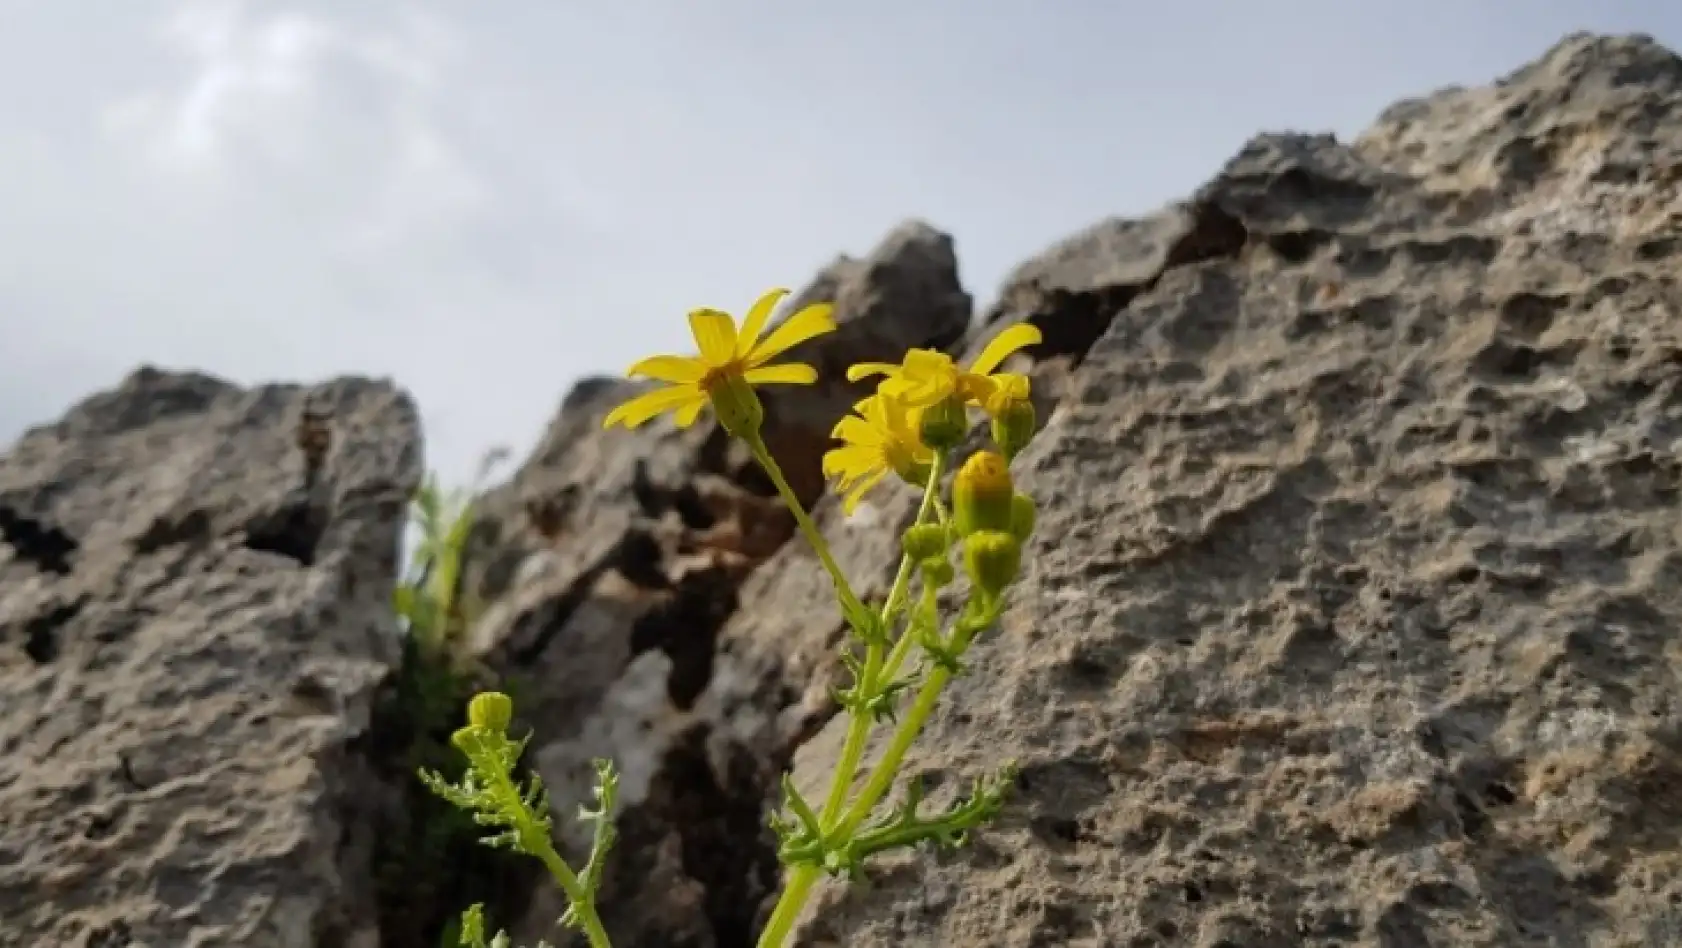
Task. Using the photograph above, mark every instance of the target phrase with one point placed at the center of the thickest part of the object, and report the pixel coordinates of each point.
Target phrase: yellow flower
(880, 438)
(1000, 392)
(927, 376)
(729, 361)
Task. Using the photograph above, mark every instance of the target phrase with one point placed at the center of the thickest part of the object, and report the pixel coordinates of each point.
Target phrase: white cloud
(282, 98)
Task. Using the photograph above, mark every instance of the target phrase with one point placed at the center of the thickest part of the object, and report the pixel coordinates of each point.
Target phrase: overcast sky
(487, 200)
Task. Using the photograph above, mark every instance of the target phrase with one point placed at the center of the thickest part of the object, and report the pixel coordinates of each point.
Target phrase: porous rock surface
(195, 585)
(1352, 615)
(1350, 619)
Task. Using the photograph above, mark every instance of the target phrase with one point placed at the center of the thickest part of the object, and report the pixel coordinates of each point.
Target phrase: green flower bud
(738, 407)
(491, 710)
(926, 541)
(992, 558)
(938, 572)
(1013, 425)
(945, 423)
(1022, 516)
(983, 495)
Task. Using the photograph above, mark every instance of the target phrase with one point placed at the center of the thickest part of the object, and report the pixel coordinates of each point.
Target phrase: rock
(1073, 290)
(608, 566)
(1350, 618)
(195, 586)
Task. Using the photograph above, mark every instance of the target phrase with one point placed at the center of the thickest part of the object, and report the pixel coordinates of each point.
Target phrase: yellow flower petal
(638, 410)
(867, 369)
(876, 410)
(676, 369)
(849, 462)
(855, 430)
(1004, 345)
(792, 373)
(851, 500)
(754, 323)
(1008, 387)
(914, 393)
(928, 364)
(715, 335)
(908, 432)
(978, 388)
(814, 320)
(686, 415)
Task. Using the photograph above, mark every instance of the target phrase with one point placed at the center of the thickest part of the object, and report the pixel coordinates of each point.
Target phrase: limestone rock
(1351, 616)
(195, 587)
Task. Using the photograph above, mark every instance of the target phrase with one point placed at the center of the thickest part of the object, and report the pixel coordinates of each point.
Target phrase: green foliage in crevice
(428, 860)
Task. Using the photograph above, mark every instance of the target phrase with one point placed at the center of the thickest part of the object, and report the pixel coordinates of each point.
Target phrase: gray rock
(194, 615)
(1351, 614)
(1350, 617)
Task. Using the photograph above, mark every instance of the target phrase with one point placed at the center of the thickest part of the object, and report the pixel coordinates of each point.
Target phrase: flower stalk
(918, 414)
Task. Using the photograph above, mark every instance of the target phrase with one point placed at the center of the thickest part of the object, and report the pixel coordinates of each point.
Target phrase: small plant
(430, 599)
(907, 429)
(429, 848)
(490, 791)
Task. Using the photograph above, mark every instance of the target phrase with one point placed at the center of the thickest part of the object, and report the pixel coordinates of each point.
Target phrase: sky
(486, 201)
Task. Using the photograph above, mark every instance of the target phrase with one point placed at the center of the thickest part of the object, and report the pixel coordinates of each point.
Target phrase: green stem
(931, 501)
(534, 838)
(800, 881)
(882, 777)
(887, 768)
(803, 877)
(858, 726)
(583, 906)
(843, 589)
(902, 648)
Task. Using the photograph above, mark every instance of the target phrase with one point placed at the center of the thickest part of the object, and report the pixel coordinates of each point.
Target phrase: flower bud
(491, 710)
(738, 407)
(945, 423)
(1022, 516)
(1013, 425)
(992, 558)
(926, 541)
(938, 572)
(983, 495)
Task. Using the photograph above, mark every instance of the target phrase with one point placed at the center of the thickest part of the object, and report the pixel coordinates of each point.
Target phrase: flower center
(719, 377)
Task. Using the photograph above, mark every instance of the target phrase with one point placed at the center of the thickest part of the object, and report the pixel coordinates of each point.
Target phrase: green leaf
(905, 827)
(472, 928)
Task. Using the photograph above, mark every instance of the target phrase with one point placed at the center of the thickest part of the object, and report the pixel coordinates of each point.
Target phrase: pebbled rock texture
(1350, 620)
(1352, 613)
(195, 586)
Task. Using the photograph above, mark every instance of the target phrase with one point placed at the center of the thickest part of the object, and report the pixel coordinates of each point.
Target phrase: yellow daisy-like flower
(881, 438)
(729, 360)
(927, 376)
(1000, 392)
